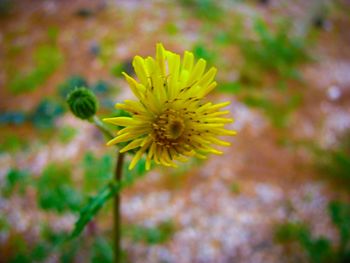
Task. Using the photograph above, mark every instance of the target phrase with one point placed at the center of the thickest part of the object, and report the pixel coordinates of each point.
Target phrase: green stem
(116, 211)
(117, 198)
(102, 127)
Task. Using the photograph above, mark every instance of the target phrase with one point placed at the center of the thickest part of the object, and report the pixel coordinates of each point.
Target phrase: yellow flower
(170, 120)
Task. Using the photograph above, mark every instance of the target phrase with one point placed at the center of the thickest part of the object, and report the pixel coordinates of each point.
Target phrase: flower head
(170, 119)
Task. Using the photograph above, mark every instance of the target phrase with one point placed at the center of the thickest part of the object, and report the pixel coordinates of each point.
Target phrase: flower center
(174, 128)
(168, 127)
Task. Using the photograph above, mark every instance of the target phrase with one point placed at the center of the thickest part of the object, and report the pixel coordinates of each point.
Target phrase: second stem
(116, 211)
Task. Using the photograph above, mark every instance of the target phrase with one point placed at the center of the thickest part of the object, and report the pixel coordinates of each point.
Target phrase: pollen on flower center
(168, 127)
(175, 128)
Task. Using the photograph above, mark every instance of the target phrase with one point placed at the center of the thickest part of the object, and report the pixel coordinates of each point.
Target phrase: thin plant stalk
(116, 210)
(117, 198)
(102, 127)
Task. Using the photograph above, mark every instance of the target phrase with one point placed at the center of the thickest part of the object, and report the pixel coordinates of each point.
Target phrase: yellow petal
(208, 77)
(217, 113)
(121, 138)
(187, 63)
(140, 70)
(216, 120)
(121, 121)
(132, 145)
(197, 72)
(139, 153)
(219, 105)
(160, 57)
(204, 90)
(220, 131)
(201, 156)
(131, 106)
(134, 86)
(210, 150)
(217, 141)
(174, 68)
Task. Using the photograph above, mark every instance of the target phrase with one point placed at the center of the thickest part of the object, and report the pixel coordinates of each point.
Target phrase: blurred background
(280, 193)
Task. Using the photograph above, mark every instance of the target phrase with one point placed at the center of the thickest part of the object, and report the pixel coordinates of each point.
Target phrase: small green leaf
(94, 205)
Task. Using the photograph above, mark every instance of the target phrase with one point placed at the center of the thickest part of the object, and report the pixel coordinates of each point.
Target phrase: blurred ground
(225, 209)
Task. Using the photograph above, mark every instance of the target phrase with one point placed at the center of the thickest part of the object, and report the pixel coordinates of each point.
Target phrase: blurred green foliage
(46, 112)
(270, 59)
(340, 215)
(277, 51)
(12, 142)
(320, 249)
(229, 87)
(235, 188)
(171, 28)
(4, 224)
(277, 110)
(335, 163)
(97, 171)
(43, 116)
(290, 231)
(72, 82)
(129, 177)
(56, 242)
(47, 59)
(22, 254)
(204, 9)
(119, 68)
(15, 181)
(49, 244)
(107, 48)
(56, 191)
(101, 87)
(101, 251)
(52, 34)
(12, 117)
(66, 134)
(150, 235)
(200, 51)
(222, 37)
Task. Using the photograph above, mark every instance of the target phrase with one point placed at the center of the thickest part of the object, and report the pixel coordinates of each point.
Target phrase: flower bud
(82, 103)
